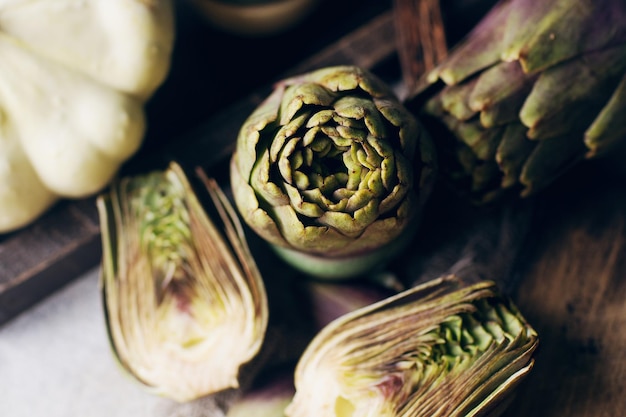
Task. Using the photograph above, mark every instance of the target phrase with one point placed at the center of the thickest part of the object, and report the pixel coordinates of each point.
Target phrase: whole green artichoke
(332, 170)
(536, 87)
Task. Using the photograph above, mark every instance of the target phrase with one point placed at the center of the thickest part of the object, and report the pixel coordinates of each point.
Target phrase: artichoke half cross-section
(332, 170)
(184, 302)
(442, 349)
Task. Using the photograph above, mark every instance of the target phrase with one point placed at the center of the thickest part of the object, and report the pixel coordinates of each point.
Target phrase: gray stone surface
(55, 361)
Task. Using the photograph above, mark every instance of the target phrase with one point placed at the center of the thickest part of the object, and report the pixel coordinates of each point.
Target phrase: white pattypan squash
(74, 78)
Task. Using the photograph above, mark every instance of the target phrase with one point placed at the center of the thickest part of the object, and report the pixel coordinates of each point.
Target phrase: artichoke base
(362, 264)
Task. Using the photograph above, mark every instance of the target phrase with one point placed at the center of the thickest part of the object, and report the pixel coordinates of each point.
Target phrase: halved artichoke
(443, 348)
(184, 302)
(332, 170)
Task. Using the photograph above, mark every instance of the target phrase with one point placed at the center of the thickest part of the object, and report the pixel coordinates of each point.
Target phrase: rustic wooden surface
(571, 274)
(573, 289)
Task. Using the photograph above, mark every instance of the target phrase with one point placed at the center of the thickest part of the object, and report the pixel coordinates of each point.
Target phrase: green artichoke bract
(536, 87)
(332, 170)
(184, 302)
(442, 349)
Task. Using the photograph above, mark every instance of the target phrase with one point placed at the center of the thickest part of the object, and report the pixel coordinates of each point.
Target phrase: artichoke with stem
(536, 87)
(184, 302)
(444, 348)
(332, 170)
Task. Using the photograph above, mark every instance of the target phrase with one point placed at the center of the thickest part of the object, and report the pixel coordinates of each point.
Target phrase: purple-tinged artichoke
(332, 170)
(441, 349)
(534, 88)
(184, 302)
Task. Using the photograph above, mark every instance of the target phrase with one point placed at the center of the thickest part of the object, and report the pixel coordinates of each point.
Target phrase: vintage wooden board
(573, 289)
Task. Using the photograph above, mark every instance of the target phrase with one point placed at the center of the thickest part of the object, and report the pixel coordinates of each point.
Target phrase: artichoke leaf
(539, 171)
(541, 34)
(590, 80)
(499, 93)
(609, 127)
(514, 144)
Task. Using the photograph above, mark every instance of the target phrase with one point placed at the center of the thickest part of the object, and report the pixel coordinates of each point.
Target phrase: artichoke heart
(332, 169)
(534, 89)
(184, 302)
(444, 348)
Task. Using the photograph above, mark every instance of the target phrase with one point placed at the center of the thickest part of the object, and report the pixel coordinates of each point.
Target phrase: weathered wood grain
(573, 290)
(38, 260)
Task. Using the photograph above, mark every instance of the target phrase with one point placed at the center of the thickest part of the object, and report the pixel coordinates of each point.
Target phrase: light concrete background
(55, 361)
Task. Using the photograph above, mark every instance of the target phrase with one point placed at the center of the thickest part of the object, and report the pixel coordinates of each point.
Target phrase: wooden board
(573, 289)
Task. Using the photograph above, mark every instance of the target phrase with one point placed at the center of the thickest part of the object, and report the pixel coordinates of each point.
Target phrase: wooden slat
(43, 257)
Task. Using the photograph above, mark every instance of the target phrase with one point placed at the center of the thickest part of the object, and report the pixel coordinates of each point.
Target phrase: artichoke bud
(184, 302)
(534, 89)
(332, 170)
(444, 348)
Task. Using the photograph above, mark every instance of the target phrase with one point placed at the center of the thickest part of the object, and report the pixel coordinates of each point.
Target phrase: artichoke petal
(539, 171)
(320, 118)
(544, 33)
(589, 80)
(303, 207)
(284, 134)
(609, 127)
(401, 118)
(312, 237)
(250, 209)
(481, 49)
(513, 150)
(269, 192)
(285, 163)
(454, 100)
(499, 93)
(296, 96)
